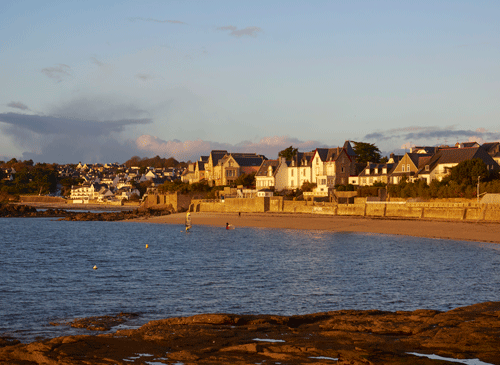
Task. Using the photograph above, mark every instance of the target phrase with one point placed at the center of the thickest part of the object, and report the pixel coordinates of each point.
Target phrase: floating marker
(95, 267)
(147, 246)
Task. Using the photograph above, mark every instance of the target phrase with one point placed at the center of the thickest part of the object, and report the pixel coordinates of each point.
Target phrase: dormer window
(384, 170)
(367, 171)
(376, 170)
(427, 168)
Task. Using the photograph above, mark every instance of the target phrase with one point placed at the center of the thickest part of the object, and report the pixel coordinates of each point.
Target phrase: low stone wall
(41, 199)
(428, 210)
(179, 202)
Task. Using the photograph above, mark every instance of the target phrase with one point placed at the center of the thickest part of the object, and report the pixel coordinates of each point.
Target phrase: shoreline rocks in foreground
(26, 211)
(339, 337)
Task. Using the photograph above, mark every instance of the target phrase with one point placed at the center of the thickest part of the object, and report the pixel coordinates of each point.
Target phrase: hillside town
(322, 169)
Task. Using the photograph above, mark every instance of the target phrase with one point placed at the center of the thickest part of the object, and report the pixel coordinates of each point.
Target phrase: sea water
(47, 275)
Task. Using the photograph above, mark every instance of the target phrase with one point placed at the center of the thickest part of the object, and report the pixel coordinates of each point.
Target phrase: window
(343, 169)
(427, 168)
(291, 173)
(403, 167)
(408, 168)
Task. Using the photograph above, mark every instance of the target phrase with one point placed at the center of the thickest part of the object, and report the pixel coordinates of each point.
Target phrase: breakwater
(421, 210)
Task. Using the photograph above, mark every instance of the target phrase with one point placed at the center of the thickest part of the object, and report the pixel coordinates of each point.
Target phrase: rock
(25, 211)
(339, 337)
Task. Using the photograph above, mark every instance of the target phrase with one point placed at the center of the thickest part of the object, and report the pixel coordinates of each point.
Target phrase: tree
(467, 172)
(288, 153)
(245, 179)
(366, 152)
(307, 186)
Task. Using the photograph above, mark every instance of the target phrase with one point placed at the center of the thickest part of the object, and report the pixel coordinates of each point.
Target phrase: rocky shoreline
(339, 337)
(28, 211)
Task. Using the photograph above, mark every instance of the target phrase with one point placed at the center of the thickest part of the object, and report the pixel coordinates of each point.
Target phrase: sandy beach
(453, 230)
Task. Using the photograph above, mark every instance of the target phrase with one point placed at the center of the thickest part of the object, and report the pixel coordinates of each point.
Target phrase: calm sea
(46, 272)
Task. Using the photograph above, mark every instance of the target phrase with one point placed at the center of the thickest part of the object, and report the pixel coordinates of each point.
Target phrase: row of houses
(328, 167)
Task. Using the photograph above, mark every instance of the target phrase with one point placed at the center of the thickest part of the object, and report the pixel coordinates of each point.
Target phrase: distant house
(265, 193)
(272, 173)
(493, 149)
(332, 166)
(85, 192)
(440, 165)
(188, 174)
(376, 172)
(299, 170)
(408, 166)
(233, 165)
(213, 159)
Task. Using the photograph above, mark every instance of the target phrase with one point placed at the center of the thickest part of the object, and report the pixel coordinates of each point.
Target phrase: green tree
(245, 180)
(307, 186)
(288, 153)
(467, 172)
(366, 152)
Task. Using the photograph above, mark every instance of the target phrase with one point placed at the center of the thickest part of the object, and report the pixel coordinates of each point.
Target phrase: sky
(102, 81)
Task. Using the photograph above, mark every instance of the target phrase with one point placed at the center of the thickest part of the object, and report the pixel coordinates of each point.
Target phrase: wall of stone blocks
(440, 210)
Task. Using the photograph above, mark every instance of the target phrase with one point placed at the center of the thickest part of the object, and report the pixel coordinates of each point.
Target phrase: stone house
(232, 165)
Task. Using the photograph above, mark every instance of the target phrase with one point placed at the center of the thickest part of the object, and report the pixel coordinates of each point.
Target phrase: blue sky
(102, 81)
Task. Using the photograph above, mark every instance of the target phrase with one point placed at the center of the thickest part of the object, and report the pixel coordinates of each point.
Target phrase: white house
(272, 173)
(299, 170)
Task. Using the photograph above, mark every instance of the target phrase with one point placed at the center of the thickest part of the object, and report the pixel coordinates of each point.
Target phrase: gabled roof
(264, 167)
(492, 148)
(457, 155)
(201, 165)
(329, 154)
(217, 155)
(348, 148)
(303, 158)
(380, 166)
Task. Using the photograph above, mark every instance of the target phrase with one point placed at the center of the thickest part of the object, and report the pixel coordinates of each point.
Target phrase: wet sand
(453, 230)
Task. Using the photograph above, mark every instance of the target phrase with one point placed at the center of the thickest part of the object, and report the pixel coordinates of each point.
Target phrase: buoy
(147, 246)
(95, 267)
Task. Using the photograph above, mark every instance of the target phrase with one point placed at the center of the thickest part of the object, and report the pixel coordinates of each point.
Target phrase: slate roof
(264, 167)
(390, 167)
(303, 158)
(217, 155)
(248, 159)
(457, 155)
(201, 165)
(493, 148)
(348, 148)
(329, 154)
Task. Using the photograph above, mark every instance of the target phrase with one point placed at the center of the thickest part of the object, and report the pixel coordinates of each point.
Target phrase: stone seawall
(429, 210)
